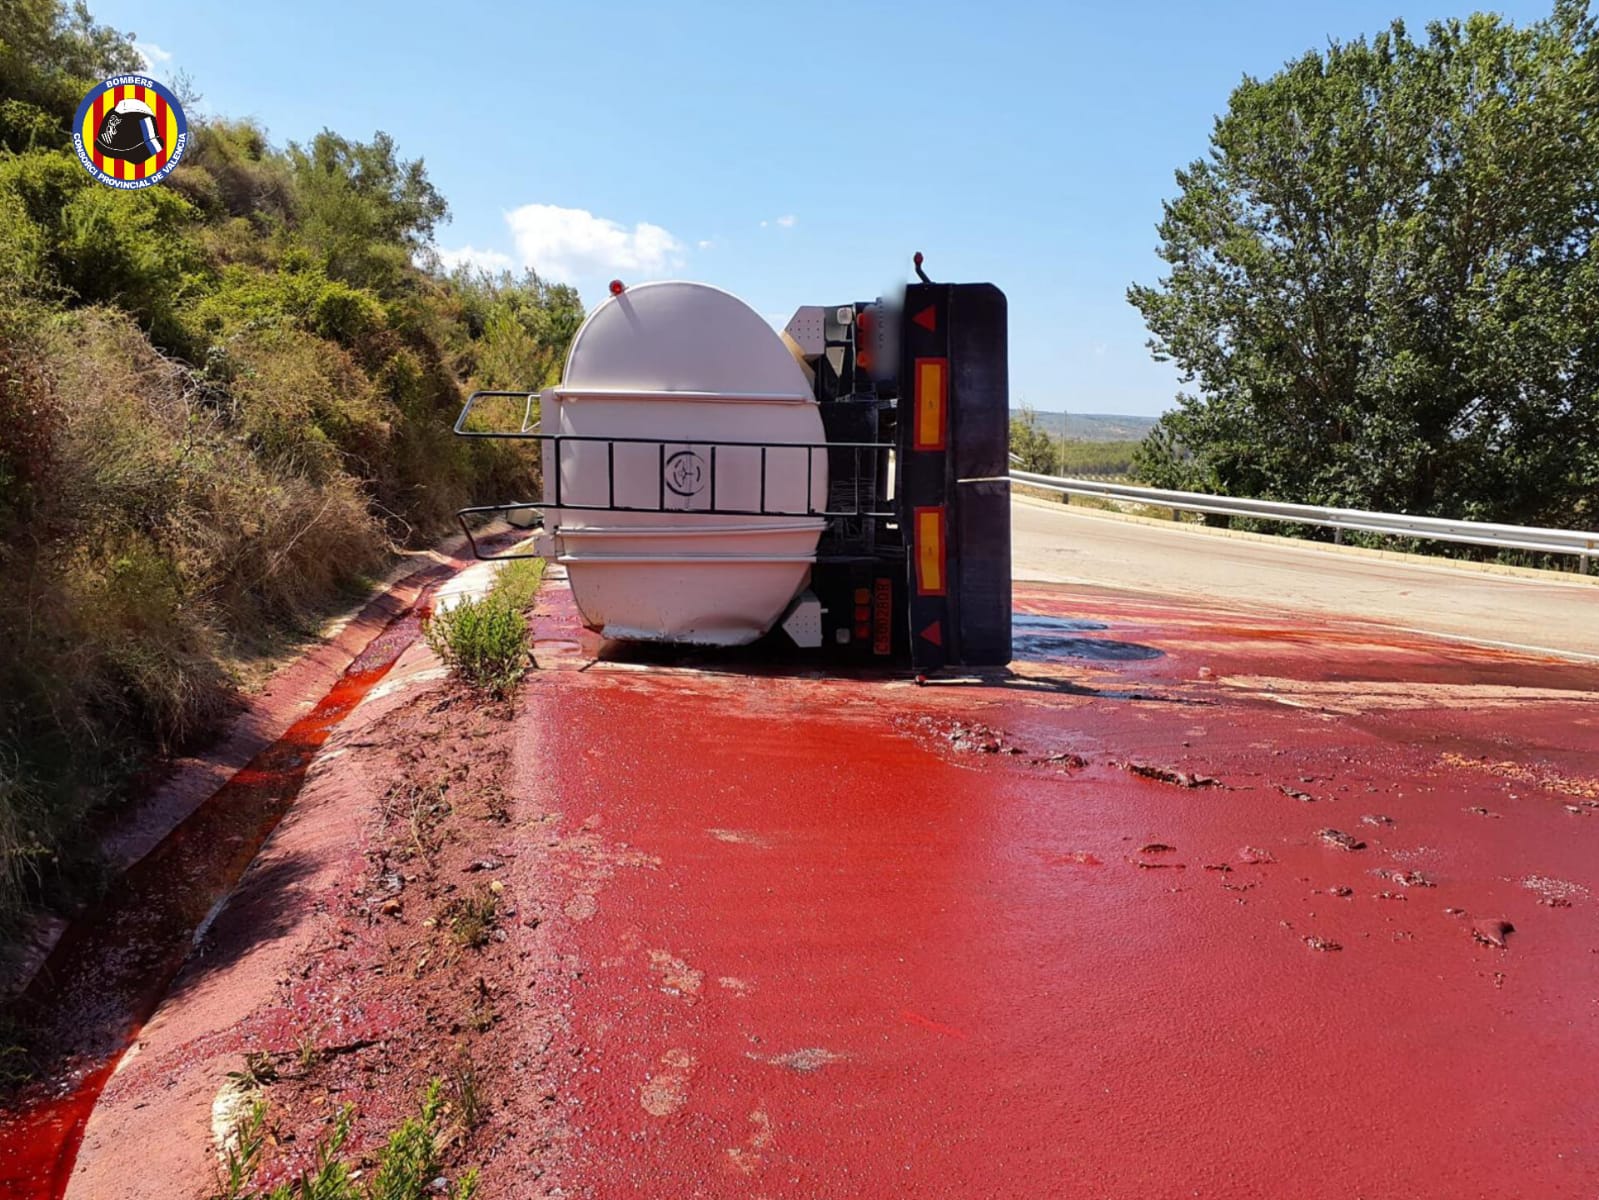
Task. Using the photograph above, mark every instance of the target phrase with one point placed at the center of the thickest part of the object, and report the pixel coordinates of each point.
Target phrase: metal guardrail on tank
(1584, 544)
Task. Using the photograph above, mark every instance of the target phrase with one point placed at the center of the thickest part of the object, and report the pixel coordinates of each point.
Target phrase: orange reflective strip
(931, 403)
(930, 551)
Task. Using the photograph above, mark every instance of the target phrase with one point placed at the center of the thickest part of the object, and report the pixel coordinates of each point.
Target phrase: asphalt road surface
(1079, 545)
(1194, 900)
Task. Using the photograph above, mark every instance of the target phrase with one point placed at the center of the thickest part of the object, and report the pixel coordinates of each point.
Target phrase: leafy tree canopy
(1382, 279)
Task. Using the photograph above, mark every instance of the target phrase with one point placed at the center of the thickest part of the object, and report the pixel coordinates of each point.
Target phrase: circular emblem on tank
(130, 132)
(685, 473)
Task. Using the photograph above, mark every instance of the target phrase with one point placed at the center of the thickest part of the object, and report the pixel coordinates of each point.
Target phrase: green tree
(518, 328)
(363, 209)
(1031, 443)
(1382, 279)
(49, 55)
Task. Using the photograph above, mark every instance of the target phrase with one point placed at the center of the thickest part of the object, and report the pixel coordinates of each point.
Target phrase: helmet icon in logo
(129, 132)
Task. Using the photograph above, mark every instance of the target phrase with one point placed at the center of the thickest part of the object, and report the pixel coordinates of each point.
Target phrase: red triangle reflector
(927, 318)
(935, 633)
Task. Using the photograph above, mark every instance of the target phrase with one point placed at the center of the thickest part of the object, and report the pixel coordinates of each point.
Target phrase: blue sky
(790, 153)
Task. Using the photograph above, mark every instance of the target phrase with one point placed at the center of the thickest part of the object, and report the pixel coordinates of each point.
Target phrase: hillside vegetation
(224, 401)
(1088, 427)
(1048, 452)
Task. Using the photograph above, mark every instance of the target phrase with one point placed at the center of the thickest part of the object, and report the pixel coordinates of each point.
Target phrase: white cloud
(471, 256)
(786, 220)
(569, 244)
(705, 243)
(152, 55)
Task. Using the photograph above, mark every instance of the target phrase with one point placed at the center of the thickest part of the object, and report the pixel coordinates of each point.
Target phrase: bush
(22, 241)
(230, 167)
(130, 249)
(485, 641)
(305, 401)
(407, 1164)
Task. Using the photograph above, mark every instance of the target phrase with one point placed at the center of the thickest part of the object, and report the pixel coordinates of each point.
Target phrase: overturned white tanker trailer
(706, 480)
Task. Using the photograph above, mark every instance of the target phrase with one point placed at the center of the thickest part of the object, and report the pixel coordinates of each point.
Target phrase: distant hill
(1093, 427)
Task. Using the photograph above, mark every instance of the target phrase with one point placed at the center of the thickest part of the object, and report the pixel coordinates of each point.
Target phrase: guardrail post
(1338, 535)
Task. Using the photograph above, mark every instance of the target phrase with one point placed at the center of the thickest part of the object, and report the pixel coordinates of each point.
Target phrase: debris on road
(1492, 932)
(812, 1058)
(1184, 779)
(1340, 839)
(1409, 879)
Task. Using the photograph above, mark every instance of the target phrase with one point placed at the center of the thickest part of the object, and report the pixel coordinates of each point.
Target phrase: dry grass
(156, 542)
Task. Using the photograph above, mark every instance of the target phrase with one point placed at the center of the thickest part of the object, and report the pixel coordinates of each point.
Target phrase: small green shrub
(471, 920)
(518, 582)
(407, 1165)
(485, 641)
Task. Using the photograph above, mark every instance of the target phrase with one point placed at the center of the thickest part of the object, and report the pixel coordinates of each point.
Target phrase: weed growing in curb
(471, 919)
(484, 642)
(407, 1165)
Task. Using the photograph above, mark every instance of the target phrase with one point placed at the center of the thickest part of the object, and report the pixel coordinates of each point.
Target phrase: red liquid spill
(838, 957)
(111, 969)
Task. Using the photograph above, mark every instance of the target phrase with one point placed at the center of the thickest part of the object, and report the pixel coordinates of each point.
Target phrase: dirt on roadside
(388, 936)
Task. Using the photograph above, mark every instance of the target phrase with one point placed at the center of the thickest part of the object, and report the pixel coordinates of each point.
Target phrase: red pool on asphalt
(1189, 903)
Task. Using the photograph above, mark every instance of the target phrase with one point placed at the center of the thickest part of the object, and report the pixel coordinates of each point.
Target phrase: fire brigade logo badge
(130, 132)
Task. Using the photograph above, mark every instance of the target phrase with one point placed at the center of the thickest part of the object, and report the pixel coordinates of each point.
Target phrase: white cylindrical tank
(680, 366)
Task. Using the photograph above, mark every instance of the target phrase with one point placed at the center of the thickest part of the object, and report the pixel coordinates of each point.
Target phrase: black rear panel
(953, 496)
